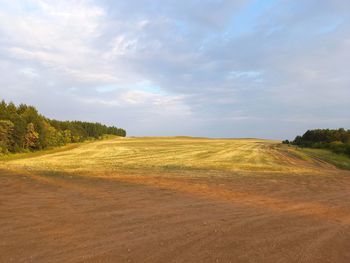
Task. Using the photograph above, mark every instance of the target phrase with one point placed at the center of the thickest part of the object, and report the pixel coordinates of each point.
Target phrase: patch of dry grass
(157, 154)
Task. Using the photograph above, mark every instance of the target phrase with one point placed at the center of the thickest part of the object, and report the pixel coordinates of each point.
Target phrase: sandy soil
(258, 218)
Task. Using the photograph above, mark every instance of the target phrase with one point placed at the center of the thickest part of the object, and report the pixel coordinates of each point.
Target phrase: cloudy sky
(219, 68)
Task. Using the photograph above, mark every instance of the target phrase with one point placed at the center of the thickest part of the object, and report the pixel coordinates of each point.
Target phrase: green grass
(24, 155)
(339, 160)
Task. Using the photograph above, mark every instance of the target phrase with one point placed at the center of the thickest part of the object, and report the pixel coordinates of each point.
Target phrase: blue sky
(218, 68)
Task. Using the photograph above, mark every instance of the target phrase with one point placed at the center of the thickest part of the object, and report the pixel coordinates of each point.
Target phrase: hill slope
(174, 200)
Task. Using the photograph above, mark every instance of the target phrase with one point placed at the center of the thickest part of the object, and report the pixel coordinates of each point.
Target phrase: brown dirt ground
(255, 218)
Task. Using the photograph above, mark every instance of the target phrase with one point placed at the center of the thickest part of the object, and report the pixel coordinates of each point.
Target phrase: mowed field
(174, 199)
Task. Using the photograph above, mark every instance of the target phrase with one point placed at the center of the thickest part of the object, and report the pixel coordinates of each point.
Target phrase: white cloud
(122, 45)
(30, 73)
(143, 23)
(159, 103)
(58, 35)
(180, 63)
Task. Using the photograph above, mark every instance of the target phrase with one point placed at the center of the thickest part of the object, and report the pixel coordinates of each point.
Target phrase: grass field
(175, 199)
(175, 154)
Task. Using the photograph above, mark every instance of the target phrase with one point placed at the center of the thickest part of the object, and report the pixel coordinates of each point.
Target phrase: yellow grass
(169, 154)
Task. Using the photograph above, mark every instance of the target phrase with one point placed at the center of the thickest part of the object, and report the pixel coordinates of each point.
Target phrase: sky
(216, 68)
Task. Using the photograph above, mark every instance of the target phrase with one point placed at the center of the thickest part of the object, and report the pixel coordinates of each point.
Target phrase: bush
(336, 140)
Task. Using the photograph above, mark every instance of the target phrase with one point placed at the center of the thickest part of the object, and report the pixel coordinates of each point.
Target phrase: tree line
(22, 128)
(336, 140)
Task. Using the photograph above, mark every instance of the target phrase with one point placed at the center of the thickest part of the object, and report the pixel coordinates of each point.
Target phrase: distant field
(175, 199)
(173, 154)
